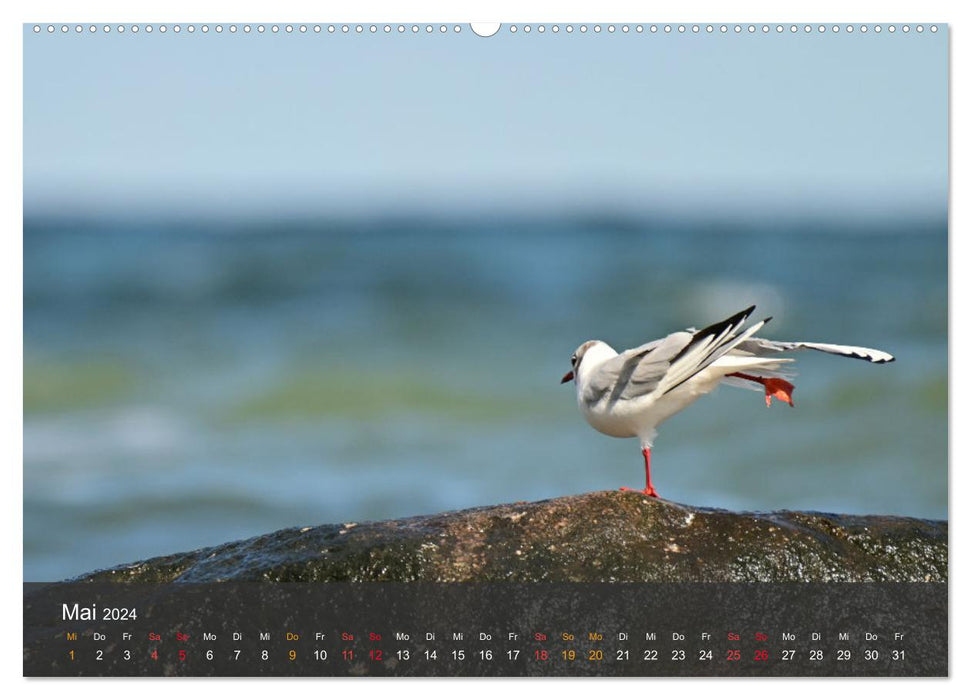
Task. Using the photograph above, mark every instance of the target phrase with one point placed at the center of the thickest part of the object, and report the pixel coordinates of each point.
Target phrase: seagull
(629, 394)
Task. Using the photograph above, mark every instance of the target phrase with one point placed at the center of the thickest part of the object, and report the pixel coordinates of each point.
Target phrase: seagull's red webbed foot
(649, 489)
(775, 388)
(780, 389)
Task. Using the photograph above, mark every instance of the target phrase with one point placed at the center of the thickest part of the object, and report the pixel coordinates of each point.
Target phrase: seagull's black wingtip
(735, 319)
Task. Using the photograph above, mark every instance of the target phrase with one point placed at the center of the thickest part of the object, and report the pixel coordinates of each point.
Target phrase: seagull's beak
(567, 377)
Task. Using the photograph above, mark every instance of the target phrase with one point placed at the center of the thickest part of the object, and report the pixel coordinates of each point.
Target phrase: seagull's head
(593, 350)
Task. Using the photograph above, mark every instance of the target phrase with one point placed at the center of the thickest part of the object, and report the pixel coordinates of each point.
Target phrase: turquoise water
(189, 384)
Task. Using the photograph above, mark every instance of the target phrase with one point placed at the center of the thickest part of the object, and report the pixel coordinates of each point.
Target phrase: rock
(595, 537)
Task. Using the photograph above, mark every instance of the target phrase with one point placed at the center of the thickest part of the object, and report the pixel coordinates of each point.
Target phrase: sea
(190, 382)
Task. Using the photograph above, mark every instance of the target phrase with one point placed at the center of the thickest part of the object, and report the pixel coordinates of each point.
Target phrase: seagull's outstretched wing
(760, 347)
(663, 365)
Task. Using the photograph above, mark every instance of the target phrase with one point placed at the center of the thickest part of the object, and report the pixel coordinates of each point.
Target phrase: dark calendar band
(395, 629)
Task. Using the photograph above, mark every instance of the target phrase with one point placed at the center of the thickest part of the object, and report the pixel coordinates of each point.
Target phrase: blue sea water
(186, 384)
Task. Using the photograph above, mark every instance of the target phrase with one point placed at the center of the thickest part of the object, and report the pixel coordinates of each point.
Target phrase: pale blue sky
(236, 124)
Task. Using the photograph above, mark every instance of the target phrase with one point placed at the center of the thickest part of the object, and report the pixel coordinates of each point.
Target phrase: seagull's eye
(573, 360)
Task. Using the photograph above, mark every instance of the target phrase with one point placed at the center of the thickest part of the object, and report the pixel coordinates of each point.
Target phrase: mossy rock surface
(595, 537)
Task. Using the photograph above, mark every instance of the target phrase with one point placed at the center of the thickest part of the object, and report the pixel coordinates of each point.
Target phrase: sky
(242, 124)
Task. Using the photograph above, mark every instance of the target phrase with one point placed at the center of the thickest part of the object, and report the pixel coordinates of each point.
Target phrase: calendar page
(485, 350)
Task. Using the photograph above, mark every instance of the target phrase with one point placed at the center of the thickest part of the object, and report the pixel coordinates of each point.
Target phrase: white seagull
(631, 393)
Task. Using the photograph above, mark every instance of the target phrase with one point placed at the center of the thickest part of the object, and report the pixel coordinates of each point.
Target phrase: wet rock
(595, 537)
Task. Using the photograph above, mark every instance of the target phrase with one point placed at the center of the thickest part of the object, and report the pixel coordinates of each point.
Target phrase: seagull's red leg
(774, 387)
(649, 489)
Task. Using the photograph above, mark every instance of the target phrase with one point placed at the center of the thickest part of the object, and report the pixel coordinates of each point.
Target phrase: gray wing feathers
(697, 359)
(641, 368)
(649, 370)
(663, 365)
